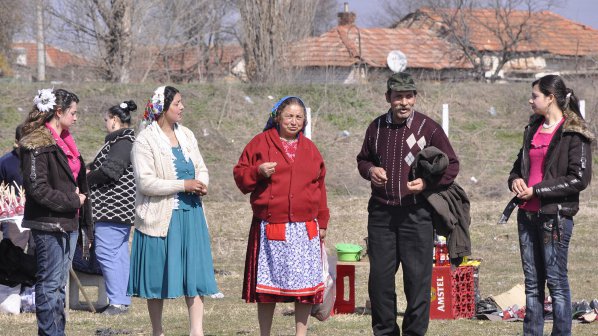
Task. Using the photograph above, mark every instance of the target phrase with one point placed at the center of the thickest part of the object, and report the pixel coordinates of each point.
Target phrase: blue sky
(582, 11)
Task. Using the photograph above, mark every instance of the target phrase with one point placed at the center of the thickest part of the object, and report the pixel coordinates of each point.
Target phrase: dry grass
(486, 145)
(229, 225)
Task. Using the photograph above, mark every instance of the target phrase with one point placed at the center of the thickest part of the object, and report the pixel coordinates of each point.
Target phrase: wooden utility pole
(41, 49)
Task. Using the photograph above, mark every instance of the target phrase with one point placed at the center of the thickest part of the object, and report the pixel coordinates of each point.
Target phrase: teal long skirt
(179, 264)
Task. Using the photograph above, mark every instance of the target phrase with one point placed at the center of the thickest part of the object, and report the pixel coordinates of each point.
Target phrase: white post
(582, 108)
(308, 121)
(445, 119)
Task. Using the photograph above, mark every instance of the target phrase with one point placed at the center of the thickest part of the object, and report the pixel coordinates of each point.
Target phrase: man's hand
(378, 176)
(416, 186)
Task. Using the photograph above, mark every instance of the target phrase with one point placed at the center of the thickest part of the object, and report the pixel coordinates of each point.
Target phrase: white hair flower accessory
(155, 105)
(158, 97)
(123, 105)
(45, 100)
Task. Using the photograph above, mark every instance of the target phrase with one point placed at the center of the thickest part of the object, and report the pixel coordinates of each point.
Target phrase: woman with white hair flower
(57, 205)
(171, 255)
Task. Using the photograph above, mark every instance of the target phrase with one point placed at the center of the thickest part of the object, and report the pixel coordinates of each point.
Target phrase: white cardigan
(155, 175)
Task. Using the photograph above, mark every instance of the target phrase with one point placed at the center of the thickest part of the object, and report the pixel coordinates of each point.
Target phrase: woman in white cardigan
(171, 254)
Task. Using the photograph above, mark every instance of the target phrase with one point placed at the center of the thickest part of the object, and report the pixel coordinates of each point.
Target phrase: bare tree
(325, 17)
(390, 11)
(203, 27)
(11, 19)
(268, 26)
(511, 25)
(103, 24)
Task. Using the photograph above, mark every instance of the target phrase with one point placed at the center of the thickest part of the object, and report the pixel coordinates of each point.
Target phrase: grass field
(224, 121)
(229, 225)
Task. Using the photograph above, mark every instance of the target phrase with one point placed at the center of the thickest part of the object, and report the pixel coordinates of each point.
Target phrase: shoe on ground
(116, 310)
(590, 317)
(580, 308)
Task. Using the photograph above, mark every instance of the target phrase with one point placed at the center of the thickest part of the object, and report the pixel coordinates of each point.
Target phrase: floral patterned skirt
(283, 263)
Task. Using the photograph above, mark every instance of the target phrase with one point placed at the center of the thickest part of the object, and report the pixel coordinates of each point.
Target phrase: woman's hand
(521, 189)
(266, 169)
(82, 197)
(322, 234)
(196, 187)
(526, 194)
(518, 186)
(203, 189)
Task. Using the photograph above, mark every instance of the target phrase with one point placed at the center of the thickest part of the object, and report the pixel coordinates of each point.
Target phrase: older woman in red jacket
(284, 172)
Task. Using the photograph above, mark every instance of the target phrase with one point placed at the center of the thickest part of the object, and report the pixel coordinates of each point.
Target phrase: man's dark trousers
(400, 236)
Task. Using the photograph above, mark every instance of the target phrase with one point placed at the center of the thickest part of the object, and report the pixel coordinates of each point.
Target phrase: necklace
(545, 125)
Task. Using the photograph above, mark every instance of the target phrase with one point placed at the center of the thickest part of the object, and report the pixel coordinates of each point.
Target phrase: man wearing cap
(400, 228)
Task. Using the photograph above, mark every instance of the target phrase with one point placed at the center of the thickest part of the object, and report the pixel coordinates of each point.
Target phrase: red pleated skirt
(250, 277)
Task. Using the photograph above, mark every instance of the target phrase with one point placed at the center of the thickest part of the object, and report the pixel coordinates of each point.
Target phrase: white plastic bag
(323, 310)
(10, 300)
(28, 299)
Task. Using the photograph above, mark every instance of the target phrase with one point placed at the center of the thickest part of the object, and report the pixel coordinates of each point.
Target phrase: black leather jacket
(51, 201)
(567, 166)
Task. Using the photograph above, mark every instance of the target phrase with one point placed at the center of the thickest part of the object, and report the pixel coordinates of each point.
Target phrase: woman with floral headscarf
(171, 254)
(284, 172)
(57, 205)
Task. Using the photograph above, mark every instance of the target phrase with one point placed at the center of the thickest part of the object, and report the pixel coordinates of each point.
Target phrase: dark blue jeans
(52, 250)
(544, 251)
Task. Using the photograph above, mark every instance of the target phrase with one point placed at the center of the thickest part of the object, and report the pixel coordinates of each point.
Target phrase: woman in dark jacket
(552, 168)
(112, 186)
(56, 204)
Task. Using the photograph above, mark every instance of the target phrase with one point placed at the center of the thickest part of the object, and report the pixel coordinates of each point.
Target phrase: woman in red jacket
(284, 172)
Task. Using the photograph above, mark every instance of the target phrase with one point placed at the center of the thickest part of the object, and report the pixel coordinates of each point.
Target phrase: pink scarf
(66, 142)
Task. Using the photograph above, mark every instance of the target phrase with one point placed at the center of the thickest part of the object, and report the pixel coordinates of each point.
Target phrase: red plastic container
(453, 293)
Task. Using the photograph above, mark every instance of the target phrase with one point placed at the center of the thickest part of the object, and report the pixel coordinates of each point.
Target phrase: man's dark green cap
(401, 81)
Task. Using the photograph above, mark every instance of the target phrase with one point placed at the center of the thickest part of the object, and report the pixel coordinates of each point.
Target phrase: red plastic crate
(453, 294)
(342, 306)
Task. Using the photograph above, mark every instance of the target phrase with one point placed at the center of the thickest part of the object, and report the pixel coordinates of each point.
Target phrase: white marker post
(582, 108)
(308, 121)
(445, 119)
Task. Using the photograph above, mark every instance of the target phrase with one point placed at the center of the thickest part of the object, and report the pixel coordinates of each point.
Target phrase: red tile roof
(55, 57)
(340, 47)
(549, 32)
(179, 58)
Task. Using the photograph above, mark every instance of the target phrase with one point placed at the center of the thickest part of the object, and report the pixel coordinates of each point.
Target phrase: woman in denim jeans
(56, 205)
(552, 168)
